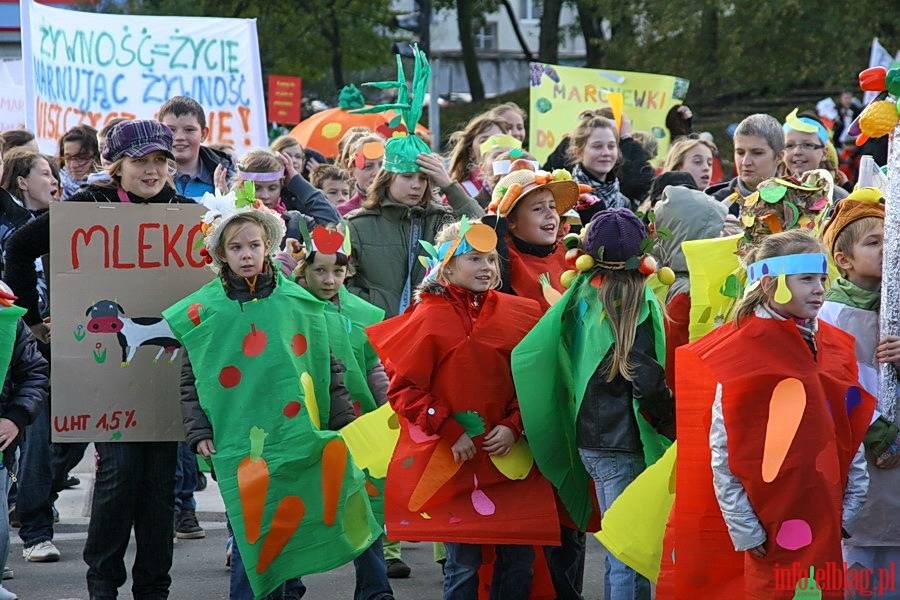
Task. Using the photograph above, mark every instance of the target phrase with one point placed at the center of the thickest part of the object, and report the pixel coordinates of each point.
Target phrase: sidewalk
(74, 504)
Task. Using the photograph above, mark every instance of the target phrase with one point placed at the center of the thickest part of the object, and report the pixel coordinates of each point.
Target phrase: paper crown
(784, 203)
(476, 237)
(805, 125)
(504, 141)
(222, 209)
(333, 239)
(782, 266)
(400, 152)
(523, 180)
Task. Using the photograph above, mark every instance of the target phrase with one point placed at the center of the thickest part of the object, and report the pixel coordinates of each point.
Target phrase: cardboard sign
(87, 68)
(559, 94)
(116, 365)
(284, 99)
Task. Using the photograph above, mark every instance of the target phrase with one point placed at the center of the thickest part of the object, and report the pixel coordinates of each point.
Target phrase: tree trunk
(337, 54)
(548, 46)
(514, 21)
(589, 19)
(465, 15)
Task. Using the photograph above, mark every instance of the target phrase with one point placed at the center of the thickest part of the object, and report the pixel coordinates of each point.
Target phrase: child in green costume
(263, 375)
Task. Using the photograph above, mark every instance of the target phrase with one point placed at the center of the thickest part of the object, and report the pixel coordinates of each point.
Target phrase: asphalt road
(198, 570)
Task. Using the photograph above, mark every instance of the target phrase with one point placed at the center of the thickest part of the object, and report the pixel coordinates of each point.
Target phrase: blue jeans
(512, 572)
(135, 487)
(566, 564)
(612, 472)
(371, 578)
(34, 482)
(185, 478)
(4, 523)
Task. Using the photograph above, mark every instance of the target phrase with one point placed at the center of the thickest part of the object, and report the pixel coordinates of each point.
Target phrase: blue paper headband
(790, 264)
(820, 131)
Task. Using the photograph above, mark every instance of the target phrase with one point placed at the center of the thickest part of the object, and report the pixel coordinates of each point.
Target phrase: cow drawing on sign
(108, 316)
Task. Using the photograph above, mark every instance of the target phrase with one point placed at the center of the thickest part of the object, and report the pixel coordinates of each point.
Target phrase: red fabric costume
(449, 356)
(749, 362)
(524, 270)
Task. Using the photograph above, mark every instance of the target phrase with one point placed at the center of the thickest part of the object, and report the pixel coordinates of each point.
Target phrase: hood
(689, 215)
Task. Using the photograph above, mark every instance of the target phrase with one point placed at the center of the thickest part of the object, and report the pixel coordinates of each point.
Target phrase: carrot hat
(400, 152)
(523, 180)
(223, 209)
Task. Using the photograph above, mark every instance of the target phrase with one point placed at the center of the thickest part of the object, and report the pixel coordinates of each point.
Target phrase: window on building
(486, 36)
(529, 10)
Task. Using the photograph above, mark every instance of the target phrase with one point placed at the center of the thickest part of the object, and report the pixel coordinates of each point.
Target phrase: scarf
(844, 292)
(607, 191)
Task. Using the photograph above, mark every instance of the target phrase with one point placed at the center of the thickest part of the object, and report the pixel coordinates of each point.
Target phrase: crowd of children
(519, 324)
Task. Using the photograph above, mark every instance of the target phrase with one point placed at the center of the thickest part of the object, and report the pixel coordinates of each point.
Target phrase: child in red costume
(461, 472)
(771, 401)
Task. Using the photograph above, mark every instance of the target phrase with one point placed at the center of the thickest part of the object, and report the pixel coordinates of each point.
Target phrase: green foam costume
(551, 368)
(295, 500)
(9, 321)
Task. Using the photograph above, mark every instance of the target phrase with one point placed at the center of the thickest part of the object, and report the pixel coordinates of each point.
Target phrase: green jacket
(381, 244)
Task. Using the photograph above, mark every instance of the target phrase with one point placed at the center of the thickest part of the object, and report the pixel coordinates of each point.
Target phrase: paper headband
(805, 125)
(478, 237)
(499, 141)
(369, 151)
(261, 177)
(790, 264)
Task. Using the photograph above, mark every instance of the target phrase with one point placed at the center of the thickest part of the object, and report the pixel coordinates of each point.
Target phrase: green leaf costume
(296, 502)
(551, 368)
(9, 321)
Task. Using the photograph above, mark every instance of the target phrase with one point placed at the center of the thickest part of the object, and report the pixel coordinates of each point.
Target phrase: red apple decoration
(298, 344)
(572, 255)
(327, 242)
(229, 377)
(255, 341)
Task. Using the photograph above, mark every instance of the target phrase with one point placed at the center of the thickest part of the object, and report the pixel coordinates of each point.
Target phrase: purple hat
(618, 232)
(137, 138)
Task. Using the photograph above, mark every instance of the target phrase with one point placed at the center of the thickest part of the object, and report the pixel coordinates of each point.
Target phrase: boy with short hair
(854, 237)
(334, 181)
(199, 166)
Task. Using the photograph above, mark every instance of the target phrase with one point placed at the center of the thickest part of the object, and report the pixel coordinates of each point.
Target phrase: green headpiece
(400, 152)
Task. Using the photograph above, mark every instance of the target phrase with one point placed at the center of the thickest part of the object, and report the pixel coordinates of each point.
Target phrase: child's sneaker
(5, 594)
(8, 573)
(41, 552)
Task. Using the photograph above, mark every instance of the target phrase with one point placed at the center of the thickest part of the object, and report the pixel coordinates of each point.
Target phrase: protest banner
(559, 94)
(88, 68)
(116, 365)
(12, 95)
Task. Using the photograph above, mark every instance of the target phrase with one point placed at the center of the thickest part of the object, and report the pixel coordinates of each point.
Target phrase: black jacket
(25, 387)
(606, 419)
(300, 195)
(12, 216)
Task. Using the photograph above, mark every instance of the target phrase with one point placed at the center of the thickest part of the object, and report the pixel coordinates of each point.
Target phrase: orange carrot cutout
(253, 485)
(441, 467)
(287, 519)
(785, 413)
(334, 463)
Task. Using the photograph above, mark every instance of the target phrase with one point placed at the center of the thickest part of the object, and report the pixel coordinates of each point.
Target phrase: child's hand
(499, 440)
(888, 349)
(288, 163)
(205, 448)
(463, 449)
(758, 552)
(432, 166)
(8, 433)
(220, 178)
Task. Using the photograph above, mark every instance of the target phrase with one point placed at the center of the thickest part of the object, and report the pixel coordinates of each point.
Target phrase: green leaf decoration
(773, 194)
(640, 215)
(246, 195)
(704, 316)
(351, 98)
(198, 243)
(464, 226)
(791, 214)
(515, 153)
(395, 122)
(651, 216)
(430, 249)
(633, 262)
(732, 287)
(424, 262)
(471, 421)
(600, 251)
(647, 244)
(304, 233)
(664, 233)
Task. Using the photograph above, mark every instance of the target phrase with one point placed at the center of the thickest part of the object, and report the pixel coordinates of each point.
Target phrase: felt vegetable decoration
(440, 469)
(287, 519)
(551, 295)
(254, 342)
(253, 485)
(334, 463)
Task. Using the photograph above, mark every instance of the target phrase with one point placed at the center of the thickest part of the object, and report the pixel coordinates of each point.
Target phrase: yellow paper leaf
(371, 439)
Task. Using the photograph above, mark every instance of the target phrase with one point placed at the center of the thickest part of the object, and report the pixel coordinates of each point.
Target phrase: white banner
(12, 95)
(83, 67)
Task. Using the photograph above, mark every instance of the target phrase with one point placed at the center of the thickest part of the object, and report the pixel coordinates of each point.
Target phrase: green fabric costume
(551, 368)
(9, 321)
(295, 500)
